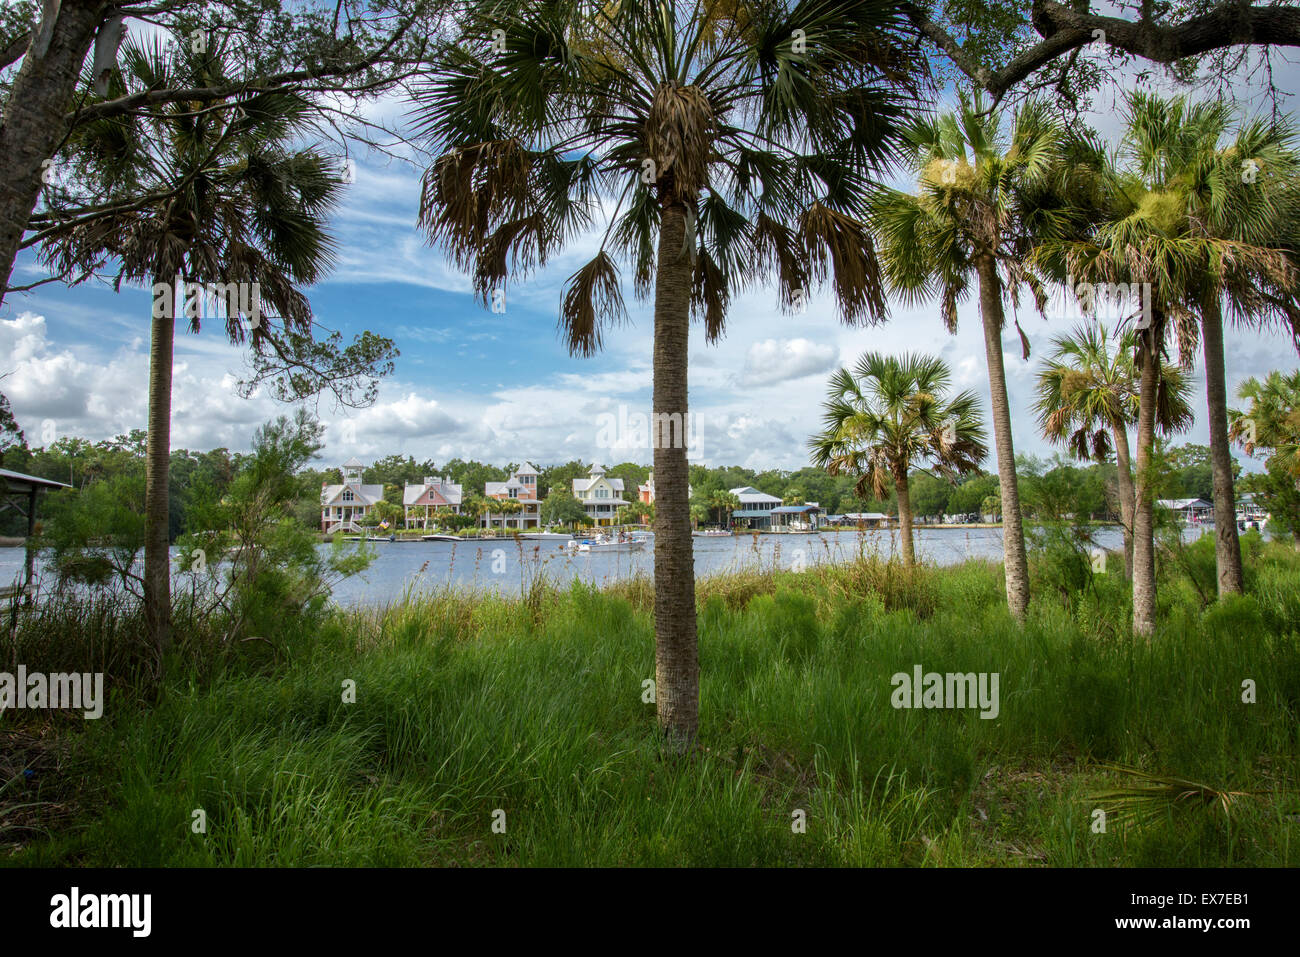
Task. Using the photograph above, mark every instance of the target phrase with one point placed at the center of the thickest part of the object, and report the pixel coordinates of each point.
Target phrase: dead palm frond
(1152, 796)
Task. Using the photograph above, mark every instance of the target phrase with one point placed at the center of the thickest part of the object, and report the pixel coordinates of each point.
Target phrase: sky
(500, 387)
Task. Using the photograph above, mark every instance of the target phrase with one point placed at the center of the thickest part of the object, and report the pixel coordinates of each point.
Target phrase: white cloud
(778, 360)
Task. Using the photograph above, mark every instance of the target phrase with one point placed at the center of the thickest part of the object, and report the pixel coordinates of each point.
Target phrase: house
(600, 495)
(755, 507)
(797, 518)
(865, 519)
(1190, 510)
(343, 506)
(521, 487)
(437, 493)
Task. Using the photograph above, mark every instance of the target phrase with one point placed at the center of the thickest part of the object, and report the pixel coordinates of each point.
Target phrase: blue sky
(500, 387)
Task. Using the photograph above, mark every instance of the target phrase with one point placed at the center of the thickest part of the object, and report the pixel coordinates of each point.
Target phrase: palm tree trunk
(1144, 543)
(905, 518)
(1124, 476)
(1016, 562)
(34, 124)
(677, 671)
(1227, 546)
(157, 557)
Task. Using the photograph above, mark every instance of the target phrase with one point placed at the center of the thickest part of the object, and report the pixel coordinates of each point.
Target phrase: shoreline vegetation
(326, 538)
(463, 707)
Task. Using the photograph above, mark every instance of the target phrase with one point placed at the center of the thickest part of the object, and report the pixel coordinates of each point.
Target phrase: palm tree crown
(890, 414)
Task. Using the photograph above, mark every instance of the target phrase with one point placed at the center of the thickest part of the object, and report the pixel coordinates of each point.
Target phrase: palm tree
(980, 203)
(476, 507)
(507, 508)
(725, 503)
(728, 142)
(794, 496)
(1232, 192)
(1272, 420)
(890, 414)
(1088, 398)
(239, 207)
(1156, 237)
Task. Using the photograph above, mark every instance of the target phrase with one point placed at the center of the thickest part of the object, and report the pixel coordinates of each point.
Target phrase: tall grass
(534, 707)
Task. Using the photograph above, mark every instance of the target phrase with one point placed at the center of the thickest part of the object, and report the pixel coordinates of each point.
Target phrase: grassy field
(530, 714)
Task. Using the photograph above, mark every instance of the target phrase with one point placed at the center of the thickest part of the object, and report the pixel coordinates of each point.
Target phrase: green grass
(534, 707)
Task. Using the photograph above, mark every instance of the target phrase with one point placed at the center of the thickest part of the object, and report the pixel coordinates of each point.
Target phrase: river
(509, 566)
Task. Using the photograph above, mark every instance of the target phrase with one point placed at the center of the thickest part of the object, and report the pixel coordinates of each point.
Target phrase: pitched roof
(1178, 504)
(440, 493)
(748, 495)
(581, 485)
(365, 494)
(353, 463)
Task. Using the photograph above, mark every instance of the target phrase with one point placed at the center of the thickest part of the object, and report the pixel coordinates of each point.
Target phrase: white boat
(432, 537)
(547, 536)
(713, 533)
(603, 544)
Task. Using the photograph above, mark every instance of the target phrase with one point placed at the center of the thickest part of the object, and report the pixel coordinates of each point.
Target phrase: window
(514, 493)
(347, 495)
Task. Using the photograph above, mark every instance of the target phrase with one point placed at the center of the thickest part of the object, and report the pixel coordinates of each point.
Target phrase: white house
(600, 495)
(755, 507)
(521, 487)
(342, 506)
(1190, 510)
(436, 493)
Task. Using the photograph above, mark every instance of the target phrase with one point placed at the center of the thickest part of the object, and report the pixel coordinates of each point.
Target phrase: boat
(547, 536)
(432, 537)
(369, 538)
(713, 533)
(602, 543)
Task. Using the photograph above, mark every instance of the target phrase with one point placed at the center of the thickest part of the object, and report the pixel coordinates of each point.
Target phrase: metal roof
(20, 482)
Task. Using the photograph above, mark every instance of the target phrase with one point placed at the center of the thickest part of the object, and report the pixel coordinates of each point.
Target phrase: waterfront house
(755, 508)
(865, 519)
(600, 495)
(646, 492)
(796, 518)
(343, 506)
(437, 493)
(521, 487)
(1191, 510)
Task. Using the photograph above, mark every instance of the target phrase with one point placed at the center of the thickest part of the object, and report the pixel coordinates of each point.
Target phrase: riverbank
(470, 710)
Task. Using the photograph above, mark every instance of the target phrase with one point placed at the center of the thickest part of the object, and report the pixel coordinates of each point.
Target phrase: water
(508, 567)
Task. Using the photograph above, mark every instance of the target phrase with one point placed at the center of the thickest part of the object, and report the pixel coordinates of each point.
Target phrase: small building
(755, 508)
(865, 519)
(437, 493)
(521, 487)
(797, 518)
(343, 506)
(646, 492)
(1191, 510)
(19, 491)
(600, 495)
